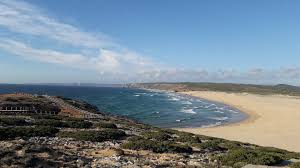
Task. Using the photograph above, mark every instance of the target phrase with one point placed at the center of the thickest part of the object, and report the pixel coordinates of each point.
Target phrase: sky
(115, 41)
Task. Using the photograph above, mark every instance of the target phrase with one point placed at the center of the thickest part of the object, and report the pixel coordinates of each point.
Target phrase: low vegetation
(248, 156)
(66, 124)
(13, 121)
(156, 135)
(26, 132)
(231, 153)
(105, 125)
(225, 87)
(139, 143)
(135, 136)
(95, 136)
(295, 165)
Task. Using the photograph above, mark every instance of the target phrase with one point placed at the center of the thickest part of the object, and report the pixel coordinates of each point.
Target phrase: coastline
(248, 116)
(272, 119)
(251, 116)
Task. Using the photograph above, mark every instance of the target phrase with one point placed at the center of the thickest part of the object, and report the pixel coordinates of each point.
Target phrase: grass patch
(139, 143)
(95, 136)
(24, 132)
(157, 135)
(250, 156)
(212, 145)
(295, 165)
(13, 122)
(67, 124)
(105, 125)
(191, 139)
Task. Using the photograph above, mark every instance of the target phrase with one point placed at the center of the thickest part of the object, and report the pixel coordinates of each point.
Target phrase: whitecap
(174, 99)
(233, 111)
(218, 111)
(137, 95)
(211, 105)
(187, 102)
(219, 118)
(141, 93)
(220, 108)
(190, 111)
(178, 120)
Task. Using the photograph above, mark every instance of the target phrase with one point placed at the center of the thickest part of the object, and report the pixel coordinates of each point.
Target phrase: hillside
(102, 140)
(223, 87)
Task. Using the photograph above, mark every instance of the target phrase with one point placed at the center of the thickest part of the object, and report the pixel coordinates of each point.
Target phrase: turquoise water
(162, 109)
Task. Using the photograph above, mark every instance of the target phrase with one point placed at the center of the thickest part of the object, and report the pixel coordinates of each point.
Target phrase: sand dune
(274, 120)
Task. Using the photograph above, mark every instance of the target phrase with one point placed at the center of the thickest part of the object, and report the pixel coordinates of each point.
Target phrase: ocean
(158, 108)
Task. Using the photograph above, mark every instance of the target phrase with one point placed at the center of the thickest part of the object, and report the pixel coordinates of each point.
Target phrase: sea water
(158, 108)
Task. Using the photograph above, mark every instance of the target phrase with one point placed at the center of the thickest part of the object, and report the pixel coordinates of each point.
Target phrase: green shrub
(187, 137)
(230, 144)
(73, 119)
(139, 143)
(159, 135)
(212, 145)
(76, 124)
(11, 99)
(191, 139)
(49, 122)
(96, 136)
(13, 122)
(295, 165)
(239, 164)
(67, 124)
(283, 153)
(179, 148)
(11, 133)
(250, 156)
(105, 125)
(50, 117)
(143, 126)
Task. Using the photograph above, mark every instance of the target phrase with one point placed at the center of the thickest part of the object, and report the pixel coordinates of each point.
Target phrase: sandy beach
(274, 120)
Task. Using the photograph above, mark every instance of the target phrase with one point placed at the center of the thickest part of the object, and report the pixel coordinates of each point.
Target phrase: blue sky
(100, 41)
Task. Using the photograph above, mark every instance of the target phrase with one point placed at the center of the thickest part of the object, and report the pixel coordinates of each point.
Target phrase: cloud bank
(112, 61)
(29, 21)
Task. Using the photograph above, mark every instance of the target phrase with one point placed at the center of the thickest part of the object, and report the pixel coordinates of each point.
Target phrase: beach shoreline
(272, 119)
(251, 116)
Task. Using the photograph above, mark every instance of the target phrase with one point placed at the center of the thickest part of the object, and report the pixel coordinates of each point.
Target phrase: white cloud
(128, 67)
(21, 17)
(113, 62)
(43, 55)
(28, 20)
(107, 62)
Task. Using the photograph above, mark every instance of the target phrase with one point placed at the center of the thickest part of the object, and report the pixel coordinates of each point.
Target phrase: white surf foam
(233, 111)
(190, 111)
(219, 118)
(187, 102)
(174, 99)
(218, 111)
